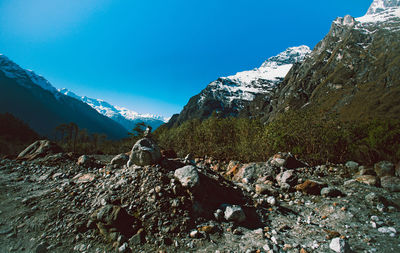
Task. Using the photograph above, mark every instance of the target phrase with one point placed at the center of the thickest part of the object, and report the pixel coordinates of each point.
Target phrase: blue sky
(152, 56)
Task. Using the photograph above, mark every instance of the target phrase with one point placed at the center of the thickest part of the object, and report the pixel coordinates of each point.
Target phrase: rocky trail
(57, 202)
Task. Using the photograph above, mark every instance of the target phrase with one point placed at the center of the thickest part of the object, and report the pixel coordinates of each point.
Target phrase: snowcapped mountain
(123, 116)
(13, 70)
(35, 101)
(352, 72)
(228, 95)
(245, 85)
(381, 11)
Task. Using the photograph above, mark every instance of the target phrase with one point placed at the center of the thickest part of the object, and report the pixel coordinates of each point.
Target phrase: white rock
(194, 234)
(124, 247)
(188, 176)
(234, 213)
(339, 245)
(271, 200)
(266, 247)
(387, 230)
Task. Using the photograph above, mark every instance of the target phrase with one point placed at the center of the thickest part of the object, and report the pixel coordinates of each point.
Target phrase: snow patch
(246, 85)
(13, 70)
(109, 110)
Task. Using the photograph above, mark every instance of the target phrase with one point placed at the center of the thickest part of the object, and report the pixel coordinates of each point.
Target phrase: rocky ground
(59, 203)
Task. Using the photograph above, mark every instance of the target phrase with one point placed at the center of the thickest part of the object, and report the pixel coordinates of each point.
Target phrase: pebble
(194, 234)
(124, 247)
(271, 200)
(387, 230)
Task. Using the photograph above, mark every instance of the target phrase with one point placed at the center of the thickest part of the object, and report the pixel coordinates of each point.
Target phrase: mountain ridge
(127, 118)
(34, 100)
(228, 95)
(351, 72)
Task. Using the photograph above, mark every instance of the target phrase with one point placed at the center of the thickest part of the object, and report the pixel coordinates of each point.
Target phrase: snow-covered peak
(246, 84)
(379, 6)
(109, 110)
(289, 56)
(13, 70)
(381, 11)
(273, 69)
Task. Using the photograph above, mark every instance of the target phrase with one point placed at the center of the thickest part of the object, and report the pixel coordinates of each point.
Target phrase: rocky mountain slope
(121, 115)
(34, 100)
(353, 71)
(228, 95)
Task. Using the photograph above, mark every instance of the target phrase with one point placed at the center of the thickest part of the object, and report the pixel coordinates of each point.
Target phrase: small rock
(384, 168)
(188, 176)
(124, 247)
(234, 213)
(194, 234)
(397, 169)
(267, 247)
(85, 178)
(391, 183)
(42, 248)
(367, 179)
(331, 192)
(219, 215)
(387, 230)
(85, 161)
(339, 245)
(310, 187)
(271, 200)
(209, 229)
(138, 238)
(288, 177)
(262, 188)
(352, 166)
(374, 199)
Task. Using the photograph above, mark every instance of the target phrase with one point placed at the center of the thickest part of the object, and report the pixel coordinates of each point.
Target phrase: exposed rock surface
(384, 168)
(144, 152)
(188, 176)
(39, 149)
(120, 160)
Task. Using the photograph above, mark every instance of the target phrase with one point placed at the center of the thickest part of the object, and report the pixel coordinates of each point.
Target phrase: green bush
(315, 138)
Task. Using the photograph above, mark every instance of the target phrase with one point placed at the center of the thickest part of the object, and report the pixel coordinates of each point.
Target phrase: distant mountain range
(123, 116)
(31, 98)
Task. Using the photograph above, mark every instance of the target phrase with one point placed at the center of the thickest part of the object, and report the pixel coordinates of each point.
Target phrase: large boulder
(86, 161)
(384, 168)
(39, 149)
(188, 176)
(286, 160)
(120, 160)
(144, 152)
(391, 183)
(113, 221)
(288, 177)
